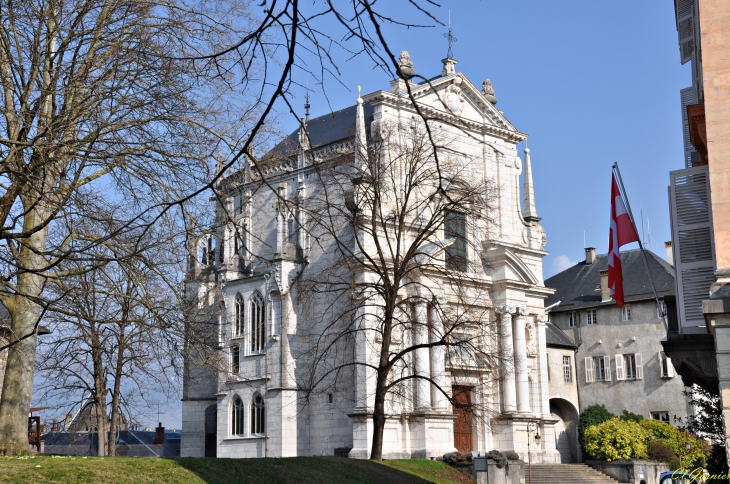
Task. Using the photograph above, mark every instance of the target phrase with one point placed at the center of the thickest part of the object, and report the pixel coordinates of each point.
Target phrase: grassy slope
(319, 470)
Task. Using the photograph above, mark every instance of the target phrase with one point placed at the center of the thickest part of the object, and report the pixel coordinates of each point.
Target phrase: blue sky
(590, 82)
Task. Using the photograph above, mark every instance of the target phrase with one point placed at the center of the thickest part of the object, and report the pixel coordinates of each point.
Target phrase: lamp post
(531, 427)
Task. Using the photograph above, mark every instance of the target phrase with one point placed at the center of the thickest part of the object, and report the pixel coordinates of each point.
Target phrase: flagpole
(641, 246)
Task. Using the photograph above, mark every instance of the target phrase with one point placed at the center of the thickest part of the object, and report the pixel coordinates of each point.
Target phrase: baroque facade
(253, 394)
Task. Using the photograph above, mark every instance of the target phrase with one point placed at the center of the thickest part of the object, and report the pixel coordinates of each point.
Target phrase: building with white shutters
(620, 360)
(262, 404)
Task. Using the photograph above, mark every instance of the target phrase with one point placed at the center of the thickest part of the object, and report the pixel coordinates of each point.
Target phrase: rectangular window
(667, 370)
(566, 368)
(572, 319)
(632, 367)
(661, 416)
(235, 360)
(626, 313)
(601, 368)
(330, 398)
(591, 316)
(661, 311)
(455, 228)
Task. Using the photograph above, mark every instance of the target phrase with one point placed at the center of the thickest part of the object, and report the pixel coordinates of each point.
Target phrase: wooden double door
(464, 415)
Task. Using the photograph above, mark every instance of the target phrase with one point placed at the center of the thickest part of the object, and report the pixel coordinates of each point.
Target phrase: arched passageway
(566, 430)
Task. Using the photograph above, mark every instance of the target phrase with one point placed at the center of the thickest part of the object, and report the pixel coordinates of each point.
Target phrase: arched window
(205, 250)
(258, 415)
(292, 230)
(237, 416)
(235, 359)
(258, 322)
(238, 326)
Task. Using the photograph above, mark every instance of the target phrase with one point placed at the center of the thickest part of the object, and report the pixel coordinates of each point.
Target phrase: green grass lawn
(141, 470)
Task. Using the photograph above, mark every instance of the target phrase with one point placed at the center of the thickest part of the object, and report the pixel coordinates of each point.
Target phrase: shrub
(454, 458)
(659, 451)
(502, 458)
(676, 441)
(593, 415)
(634, 417)
(617, 440)
(660, 430)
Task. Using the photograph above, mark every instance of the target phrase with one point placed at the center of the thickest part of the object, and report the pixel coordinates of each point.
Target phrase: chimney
(669, 251)
(160, 434)
(67, 422)
(590, 255)
(605, 294)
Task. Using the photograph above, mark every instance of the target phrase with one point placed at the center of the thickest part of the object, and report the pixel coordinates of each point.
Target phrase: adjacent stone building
(620, 360)
(258, 404)
(563, 390)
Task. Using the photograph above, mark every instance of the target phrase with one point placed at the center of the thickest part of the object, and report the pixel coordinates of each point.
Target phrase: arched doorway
(566, 430)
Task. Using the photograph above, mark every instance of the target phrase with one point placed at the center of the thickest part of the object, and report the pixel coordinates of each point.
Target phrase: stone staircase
(567, 474)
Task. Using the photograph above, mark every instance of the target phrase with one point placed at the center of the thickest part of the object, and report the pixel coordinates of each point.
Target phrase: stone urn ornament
(405, 66)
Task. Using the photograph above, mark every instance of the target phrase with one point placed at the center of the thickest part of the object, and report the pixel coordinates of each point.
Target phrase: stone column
(522, 383)
(540, 321)
(422, 364)
(508, 378)
(438, 363)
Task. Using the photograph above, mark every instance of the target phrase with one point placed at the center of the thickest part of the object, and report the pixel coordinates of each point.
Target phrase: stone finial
(361, 143)
(405, 65)
(488, 91)
(529, 212)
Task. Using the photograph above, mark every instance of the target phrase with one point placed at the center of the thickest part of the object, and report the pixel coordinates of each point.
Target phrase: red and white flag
(622, 232)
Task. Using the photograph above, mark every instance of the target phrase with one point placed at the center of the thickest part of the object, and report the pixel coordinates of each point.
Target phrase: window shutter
(670, 368)
(639, 368)
(607, 364)
(620, 367)
(685, 29)
(687, 98)
(689, 198)
(589, 369)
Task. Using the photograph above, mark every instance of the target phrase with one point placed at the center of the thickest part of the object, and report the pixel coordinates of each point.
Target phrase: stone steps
(567, 474)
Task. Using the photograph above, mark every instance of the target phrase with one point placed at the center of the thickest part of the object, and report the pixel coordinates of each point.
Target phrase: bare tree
(399, 283)
(96, 99)
(117, 330)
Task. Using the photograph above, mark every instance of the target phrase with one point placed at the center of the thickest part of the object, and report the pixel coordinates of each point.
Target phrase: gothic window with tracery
(238, 321)
(258, 323)
(237, 416)
(258, 415)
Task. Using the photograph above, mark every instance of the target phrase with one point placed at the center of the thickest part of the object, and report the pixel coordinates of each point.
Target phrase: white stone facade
(266, 357)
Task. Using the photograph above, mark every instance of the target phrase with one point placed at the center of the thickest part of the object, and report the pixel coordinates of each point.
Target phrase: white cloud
(561, 262)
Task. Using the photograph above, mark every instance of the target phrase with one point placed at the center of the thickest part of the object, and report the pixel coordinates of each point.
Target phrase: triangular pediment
(455, 95)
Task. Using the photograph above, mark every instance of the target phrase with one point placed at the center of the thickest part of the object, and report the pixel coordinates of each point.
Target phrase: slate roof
(555, 337)
(325, 129)
(580, 286)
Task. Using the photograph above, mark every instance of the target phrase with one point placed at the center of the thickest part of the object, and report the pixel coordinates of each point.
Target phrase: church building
(253, 394)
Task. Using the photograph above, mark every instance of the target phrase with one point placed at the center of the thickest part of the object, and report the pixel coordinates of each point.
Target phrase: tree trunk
(119, 367)
(25, 314)
(99, 392)
(376, 452)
